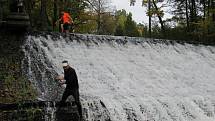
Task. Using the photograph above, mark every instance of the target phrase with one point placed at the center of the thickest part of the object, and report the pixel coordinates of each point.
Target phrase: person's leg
(77, 101)
(62, 28)
(64, 97)
(66, 28)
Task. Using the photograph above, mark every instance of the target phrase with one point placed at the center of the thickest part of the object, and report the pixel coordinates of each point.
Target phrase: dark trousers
(75, 94)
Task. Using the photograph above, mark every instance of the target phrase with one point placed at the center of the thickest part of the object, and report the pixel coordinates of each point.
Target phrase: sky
(138, 11)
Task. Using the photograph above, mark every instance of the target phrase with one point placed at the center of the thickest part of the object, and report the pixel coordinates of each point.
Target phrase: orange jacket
(66, 18)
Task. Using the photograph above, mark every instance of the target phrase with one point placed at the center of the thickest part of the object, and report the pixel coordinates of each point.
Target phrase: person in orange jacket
(66, 21)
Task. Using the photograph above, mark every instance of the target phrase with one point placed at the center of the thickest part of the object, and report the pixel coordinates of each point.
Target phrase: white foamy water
(134, 82)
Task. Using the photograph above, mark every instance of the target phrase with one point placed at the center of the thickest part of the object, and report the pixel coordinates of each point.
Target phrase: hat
(65, 63)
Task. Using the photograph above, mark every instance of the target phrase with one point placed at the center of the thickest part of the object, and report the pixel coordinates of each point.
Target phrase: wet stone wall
(38, 111)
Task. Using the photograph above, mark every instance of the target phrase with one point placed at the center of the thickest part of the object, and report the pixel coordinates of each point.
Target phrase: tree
(44, 17)
(120, 17)
(196, 17)
(100, 7)
(88, 23)
(193, 13)
(119, 31)
(187, 16)
(153, 10)
(108, 24)
(130, 27)
(125, 26)
(159, 14)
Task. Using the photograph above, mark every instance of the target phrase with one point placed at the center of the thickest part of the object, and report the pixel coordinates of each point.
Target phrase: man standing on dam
(66, 22)
(72, 87)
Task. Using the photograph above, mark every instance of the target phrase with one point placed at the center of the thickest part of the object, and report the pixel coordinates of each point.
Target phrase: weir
(126, 79)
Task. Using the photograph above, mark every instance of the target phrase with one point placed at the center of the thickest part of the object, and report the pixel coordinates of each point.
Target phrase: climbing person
(66, 22)
(72, 87)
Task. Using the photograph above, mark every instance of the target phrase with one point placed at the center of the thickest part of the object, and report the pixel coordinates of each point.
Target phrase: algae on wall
(32, 114)
(14, 87)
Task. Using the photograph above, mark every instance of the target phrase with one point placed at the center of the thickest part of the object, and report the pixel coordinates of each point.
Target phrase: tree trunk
(28, 7)
(187, 17)
(204, 5)
(55, 14)
(149, 9)
(1, 11)
(44, 16)
(213, 7)
(208, 15)
(99, 18)
(208, 8)
(193, 11)
(99, 23)
(160, 19)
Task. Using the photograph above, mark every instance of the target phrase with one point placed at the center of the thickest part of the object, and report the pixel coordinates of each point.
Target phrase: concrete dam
(124, 78)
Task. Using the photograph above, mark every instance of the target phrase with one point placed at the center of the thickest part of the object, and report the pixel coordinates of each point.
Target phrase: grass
(14, 87)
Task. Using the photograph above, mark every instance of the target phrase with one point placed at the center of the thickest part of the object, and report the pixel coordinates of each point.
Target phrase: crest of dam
(125, 78)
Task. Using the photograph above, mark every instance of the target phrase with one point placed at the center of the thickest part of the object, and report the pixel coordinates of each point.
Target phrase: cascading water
(127, 79)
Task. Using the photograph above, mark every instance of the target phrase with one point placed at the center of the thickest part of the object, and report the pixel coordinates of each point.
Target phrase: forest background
(192, 20)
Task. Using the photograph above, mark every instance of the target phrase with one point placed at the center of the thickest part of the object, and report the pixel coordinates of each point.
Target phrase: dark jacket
(71, 78)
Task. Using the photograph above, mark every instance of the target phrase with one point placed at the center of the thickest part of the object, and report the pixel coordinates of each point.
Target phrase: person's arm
(71, 20)
(60, 79)
(57, 21)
